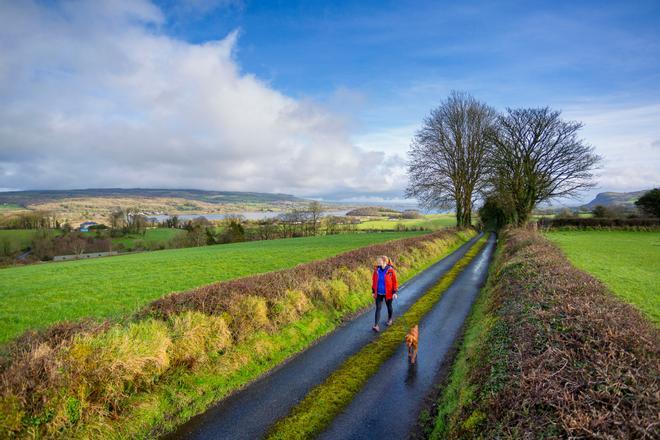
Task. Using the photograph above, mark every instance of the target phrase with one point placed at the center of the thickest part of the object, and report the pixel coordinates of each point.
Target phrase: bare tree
(536, 156)
(315, 210)
(447, 158)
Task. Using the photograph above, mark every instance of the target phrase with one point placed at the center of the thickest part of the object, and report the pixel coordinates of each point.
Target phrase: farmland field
(429, 221)
(627, 262)
(20, 238)
(151, 236)
(37, 295)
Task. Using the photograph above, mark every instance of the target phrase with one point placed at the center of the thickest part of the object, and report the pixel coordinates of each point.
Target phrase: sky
(317, 99)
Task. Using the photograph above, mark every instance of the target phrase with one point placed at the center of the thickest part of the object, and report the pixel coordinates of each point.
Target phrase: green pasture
(19, 238)
(35, 296)
(150, 237)
(627, 262)
(429, 221)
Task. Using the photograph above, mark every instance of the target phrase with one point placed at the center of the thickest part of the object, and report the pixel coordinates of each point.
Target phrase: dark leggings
(379, 304)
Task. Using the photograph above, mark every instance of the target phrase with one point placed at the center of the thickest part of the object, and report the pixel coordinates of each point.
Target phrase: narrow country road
(389, 404)
(248, 413)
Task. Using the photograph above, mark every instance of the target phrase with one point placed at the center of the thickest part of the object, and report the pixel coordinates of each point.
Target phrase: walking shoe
(375, 328)
(389, 322)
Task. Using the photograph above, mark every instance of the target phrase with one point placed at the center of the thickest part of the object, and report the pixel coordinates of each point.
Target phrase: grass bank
(324, 402)
(627, 262)
(141, 377)
(549, 352)
(35, 296)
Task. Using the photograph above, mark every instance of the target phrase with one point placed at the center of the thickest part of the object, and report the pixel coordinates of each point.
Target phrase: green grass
(20, 238)
(317, 410)
(627, 262)
(429, 221)
(151, 236)
(10, 207)
(35, 296)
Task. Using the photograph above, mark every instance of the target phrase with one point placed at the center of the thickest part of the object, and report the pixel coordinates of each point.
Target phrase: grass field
(627, 262)
(429, 221)
(20, 238)
(10, 207)
(37, 295)
(151, 236)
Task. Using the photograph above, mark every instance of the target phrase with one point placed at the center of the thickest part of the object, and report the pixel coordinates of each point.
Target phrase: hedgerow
(81, 379)
(595, 223)
(549, 352)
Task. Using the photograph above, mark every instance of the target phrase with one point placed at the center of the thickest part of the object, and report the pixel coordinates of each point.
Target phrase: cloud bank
(94, 95)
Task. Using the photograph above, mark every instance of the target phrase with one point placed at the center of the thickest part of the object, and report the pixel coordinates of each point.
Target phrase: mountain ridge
(611, 198)
(26, 197)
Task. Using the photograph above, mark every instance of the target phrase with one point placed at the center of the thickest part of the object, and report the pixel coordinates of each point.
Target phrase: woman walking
(383, 288)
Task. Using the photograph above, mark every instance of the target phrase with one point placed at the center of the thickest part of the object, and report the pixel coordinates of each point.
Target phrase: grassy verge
(143, 376)
(327, 400)
(35, 296)
(549, 352)
(627, 262)
(484, 342)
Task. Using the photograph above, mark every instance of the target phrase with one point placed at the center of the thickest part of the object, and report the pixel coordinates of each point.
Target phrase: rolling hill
(614, 199)
(34, 197)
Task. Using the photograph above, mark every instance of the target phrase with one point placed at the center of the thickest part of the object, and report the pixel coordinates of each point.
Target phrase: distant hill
(24, 198)
(626, 199)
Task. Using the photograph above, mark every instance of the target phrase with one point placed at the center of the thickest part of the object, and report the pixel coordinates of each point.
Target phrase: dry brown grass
(578, 363)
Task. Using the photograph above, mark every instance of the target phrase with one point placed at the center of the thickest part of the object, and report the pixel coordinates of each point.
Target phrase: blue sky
(353, 77)
(508, 53)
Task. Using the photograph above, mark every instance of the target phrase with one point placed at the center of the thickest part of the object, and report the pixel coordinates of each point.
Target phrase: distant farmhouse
(84, 227)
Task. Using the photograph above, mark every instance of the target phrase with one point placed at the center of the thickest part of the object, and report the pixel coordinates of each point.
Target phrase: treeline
(30, 220)
(303, 222)
(644, 215)
(512, 160)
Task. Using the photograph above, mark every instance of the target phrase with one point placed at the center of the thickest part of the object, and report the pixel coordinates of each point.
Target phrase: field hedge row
(81, 379)
(636, 224)
(549, 352)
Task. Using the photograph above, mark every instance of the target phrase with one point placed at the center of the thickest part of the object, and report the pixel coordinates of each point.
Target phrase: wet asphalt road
(389, 404)
(249, 412)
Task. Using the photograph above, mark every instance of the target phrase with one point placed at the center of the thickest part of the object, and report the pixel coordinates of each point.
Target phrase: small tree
(537, 156)
(495, 213)
(649, 203)
(565, 213)
(315, 210)
(601, 211)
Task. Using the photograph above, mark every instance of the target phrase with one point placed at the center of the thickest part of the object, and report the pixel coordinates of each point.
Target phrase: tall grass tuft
(196, 336)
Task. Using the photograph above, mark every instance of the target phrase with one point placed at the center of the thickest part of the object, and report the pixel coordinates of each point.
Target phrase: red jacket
(391, 285)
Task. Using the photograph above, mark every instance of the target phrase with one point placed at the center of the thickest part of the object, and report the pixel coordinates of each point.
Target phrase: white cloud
(625, 136)
(93, 95)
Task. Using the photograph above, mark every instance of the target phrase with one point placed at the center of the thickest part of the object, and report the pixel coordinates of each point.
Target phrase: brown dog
(412, 339)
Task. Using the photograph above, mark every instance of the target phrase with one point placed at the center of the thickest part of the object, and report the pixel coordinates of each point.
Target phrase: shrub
(289, 308)
(106, 367)
(195, 336)
(249, 314)
(598, 223)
